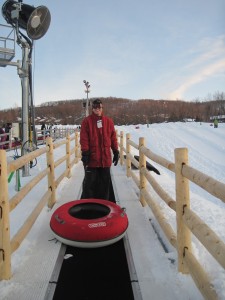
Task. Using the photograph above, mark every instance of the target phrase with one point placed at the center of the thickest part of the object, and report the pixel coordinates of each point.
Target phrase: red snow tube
(89, 223)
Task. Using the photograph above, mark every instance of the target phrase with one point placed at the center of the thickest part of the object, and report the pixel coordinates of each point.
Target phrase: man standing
(215, 122)
(7, 130)
(97, 138)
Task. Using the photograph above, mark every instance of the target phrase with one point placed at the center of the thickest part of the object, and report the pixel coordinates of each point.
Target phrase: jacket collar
(95, 117)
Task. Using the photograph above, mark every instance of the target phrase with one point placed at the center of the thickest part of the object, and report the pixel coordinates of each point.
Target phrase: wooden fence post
(142, 163)
(68, 167)
(76, 147)
(5, 247)
(116, 135)
(121, 148)
(182, 201)
(128, 162)
(51, 173)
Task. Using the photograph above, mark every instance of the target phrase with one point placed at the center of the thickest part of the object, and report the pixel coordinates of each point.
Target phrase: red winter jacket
(98, 136)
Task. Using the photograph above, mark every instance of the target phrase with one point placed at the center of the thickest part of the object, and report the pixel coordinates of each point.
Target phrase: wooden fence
(72, 154)
(188, 222)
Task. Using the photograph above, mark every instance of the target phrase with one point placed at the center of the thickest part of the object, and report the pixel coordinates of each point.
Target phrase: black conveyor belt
(95, 274)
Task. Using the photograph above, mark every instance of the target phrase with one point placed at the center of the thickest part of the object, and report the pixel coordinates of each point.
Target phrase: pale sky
(154, 49)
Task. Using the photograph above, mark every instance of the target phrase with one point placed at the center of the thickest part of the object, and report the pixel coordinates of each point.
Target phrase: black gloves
(85, 158)
(115, 157)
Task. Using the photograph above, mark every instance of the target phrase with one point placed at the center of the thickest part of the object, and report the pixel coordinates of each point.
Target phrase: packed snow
(206, 152)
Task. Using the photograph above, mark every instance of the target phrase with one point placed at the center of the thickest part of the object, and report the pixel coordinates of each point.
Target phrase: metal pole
(87, 107)
(24, 75)
(87, 85)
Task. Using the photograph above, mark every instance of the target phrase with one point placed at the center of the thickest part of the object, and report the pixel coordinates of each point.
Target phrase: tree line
(122, 111)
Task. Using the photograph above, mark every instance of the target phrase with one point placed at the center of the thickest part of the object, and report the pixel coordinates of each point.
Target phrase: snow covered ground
(206, 147)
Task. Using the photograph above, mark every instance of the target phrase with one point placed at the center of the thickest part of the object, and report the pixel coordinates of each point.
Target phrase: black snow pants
(96, 183)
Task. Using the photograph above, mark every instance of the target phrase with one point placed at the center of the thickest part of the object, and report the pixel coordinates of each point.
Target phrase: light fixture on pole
(35, 21)
(87, 91)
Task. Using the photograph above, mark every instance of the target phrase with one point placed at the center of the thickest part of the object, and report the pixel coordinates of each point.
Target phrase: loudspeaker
(35, 21)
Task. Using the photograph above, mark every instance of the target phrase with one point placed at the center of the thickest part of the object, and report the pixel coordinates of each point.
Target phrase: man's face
(97, 109)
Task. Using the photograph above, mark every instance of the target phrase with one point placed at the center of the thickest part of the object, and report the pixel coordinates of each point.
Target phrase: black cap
(96, 102)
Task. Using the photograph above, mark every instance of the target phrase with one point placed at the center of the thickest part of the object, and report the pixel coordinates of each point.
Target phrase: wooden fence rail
(72, 155)
(188, 222)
